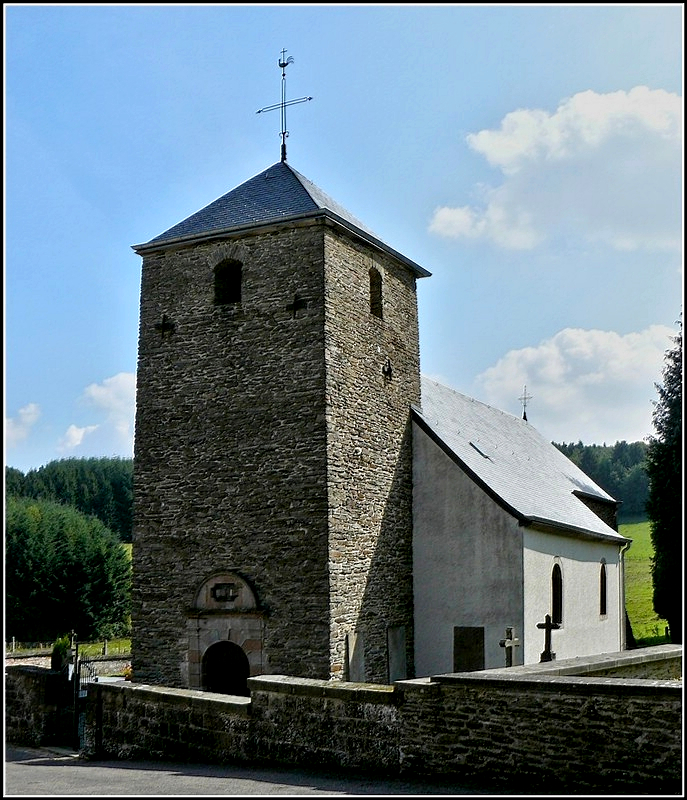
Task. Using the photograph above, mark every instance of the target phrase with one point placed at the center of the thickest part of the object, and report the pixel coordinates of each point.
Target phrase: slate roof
(278, 194)
(510, 459)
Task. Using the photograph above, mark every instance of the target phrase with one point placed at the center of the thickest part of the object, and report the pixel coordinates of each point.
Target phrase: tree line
(619, 469)
(103, 487)
(64, 571)
(65, 567)
(97, 487)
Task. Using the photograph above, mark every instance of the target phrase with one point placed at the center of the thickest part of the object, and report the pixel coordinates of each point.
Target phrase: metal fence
(119, 647)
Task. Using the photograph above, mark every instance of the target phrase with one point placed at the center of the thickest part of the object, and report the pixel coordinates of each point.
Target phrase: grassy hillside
(646, 626)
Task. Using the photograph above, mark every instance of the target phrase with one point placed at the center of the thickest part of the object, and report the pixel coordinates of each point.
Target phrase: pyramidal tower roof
(279, 194)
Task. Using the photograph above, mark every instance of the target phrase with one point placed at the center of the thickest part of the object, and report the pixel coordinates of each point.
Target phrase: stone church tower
(278, 361)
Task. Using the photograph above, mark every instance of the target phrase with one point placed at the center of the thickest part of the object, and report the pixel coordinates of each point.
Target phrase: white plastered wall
(584, 631)
(467, 562)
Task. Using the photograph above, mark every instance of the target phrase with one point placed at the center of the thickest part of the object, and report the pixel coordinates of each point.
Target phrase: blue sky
(530, 157)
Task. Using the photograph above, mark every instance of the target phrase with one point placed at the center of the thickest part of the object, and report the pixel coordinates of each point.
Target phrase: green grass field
(115, 647)
(647, 628)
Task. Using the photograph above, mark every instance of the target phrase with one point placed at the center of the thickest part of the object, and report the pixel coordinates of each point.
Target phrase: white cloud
(18, 428)
(74, 437)
(589, 385)
(602, 167)
(114, 400)
(116, 396)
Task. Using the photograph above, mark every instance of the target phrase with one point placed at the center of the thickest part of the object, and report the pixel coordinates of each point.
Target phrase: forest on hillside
(97, 487)
(103, 487)
(619, 469)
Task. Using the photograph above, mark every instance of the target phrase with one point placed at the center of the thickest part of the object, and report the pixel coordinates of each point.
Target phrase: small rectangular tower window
(375, 293)
(228, 276)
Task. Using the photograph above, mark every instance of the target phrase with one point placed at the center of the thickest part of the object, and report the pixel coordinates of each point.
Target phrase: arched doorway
(224, 609)
(225, 669)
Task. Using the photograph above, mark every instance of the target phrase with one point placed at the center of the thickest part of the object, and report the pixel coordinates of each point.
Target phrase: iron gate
(84, 673)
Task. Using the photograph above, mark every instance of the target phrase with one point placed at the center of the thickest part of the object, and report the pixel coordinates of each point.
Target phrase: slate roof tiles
(513, 460)
(277, 194)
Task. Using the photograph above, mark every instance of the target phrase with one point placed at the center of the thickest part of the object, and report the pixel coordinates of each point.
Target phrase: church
(305, 502)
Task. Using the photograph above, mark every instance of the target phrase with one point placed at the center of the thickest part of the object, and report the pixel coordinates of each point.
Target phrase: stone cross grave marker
(509, 643)
(547, 626)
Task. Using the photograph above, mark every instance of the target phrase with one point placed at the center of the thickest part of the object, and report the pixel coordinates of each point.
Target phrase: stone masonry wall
(326, 724)
(230, 460)
(133, 721)
(270, 444)
(552, 734)
(369, 453)
(34, 699)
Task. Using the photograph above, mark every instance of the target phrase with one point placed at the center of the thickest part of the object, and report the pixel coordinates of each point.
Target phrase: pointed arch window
(228, 277)
(375, 293)
(556, 594)
(603, 589)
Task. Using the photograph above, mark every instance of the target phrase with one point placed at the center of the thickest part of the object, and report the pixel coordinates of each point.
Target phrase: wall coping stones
(557, 683)
(573, 673)
(29, 668)
(343, 690)
(584, 665)
(231, 703)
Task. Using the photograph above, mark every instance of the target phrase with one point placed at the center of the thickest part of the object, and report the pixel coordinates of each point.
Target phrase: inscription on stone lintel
(224, 592)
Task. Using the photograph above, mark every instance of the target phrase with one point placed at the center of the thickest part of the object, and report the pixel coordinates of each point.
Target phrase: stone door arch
(224, 612)
(225, 669)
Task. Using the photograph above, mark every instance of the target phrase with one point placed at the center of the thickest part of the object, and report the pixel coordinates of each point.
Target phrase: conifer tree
(664, 506)
(63, 571)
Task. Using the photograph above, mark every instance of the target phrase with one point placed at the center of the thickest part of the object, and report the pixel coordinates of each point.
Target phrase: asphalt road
(57, 771)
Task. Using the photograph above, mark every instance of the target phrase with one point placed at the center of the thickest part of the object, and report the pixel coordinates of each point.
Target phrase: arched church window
(375, 293)
(602, 589)
(556, 594)
(228, 275)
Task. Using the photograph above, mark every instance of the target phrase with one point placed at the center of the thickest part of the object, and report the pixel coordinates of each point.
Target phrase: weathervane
(283, 64)
(523, 399)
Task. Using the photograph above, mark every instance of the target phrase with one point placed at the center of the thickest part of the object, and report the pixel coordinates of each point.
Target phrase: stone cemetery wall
(547, 732)
(355, 726)
(35, 699)
(131, 721)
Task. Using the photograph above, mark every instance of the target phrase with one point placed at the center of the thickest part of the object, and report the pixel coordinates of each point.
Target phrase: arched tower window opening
(602, 589)
(228, 276)
(375, 293)
(556, 594)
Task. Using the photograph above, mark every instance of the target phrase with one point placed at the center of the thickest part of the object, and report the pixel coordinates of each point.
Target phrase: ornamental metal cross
(509, 643)
(523, 399)
(297, 305)
(164, 326)
(547, 626)
(283, 64)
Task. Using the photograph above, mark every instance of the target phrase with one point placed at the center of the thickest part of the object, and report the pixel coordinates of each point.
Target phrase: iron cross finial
(523, 399)
(283, 64)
